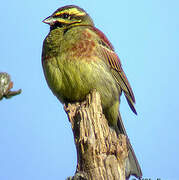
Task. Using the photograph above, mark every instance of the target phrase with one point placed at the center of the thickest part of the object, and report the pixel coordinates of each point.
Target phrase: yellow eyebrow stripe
(72, 11)
(66, 21)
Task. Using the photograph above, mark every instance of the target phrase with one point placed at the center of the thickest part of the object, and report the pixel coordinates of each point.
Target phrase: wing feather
(108, 54)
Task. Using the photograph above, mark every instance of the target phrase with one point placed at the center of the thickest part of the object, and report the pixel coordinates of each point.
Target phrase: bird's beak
(49, 20)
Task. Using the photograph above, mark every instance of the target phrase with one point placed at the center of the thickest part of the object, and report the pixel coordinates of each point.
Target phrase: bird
(77, 57)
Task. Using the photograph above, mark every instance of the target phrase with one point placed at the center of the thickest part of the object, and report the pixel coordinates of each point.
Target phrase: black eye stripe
(64, 15)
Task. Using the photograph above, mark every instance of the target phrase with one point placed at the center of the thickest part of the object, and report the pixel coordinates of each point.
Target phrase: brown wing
(107, 52)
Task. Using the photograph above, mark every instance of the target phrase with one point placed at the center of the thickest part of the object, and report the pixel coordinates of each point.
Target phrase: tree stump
(101, 153)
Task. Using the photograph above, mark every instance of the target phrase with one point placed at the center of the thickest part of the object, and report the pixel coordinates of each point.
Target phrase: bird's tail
(132, 165)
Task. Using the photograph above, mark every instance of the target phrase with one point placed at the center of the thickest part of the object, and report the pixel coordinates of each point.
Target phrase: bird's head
(68, 16)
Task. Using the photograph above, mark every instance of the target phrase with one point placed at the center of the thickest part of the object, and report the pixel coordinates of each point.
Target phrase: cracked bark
(101, 153)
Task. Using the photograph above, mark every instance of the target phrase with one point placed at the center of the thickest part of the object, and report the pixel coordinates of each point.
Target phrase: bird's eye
(66, 16)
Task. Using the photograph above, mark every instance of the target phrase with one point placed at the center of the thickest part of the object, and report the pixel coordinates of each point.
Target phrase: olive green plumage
(72, 78)
(78, 58)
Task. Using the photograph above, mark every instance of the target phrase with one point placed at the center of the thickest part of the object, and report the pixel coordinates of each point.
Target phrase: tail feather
(132, 165)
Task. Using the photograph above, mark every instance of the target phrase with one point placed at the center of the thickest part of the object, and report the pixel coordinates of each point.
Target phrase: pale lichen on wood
(6, 85)
(101, 153)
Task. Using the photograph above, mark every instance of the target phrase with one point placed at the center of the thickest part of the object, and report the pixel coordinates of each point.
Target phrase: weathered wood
(101, 153)
(6, 85)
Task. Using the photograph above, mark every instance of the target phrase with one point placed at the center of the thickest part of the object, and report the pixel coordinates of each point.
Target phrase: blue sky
(36, 140)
